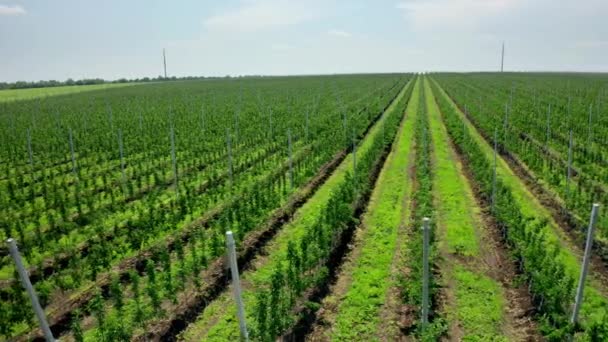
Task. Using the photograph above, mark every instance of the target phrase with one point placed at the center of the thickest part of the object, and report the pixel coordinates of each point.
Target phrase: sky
(111, 39)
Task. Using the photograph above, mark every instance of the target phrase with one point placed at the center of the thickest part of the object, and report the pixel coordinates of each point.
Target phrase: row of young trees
(411, 283)
(557, 131)
(260, 182)
(540, 259)
(239, 224)
(304, 266)
(75, 197)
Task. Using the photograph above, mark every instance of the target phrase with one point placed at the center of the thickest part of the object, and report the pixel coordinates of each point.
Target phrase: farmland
(119, 199)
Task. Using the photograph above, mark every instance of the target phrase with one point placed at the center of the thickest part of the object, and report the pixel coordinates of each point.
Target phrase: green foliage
(540, 259)
(305, 258)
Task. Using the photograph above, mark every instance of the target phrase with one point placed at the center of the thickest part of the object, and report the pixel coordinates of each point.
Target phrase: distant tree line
(87, 81)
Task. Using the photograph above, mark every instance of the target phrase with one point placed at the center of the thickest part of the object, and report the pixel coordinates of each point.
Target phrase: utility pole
(502, 58)
(165, 62)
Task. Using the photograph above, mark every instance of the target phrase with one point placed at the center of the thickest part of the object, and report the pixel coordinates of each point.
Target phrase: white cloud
(262, 15)
(339, 33)
(11, 10)
(453, 14)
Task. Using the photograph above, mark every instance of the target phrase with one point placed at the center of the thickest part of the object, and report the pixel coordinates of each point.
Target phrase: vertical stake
(174, 161)
(29, 149)
(585, 266)
(354, 158)
(425, 271)
(569, 175)
(504, 133)
(229, 148)
(122, 159)
(306, 126)
(494, 173)
(291, 180)
(548, 126)
(270, 124)
(141, 122)
(589, 132)
(72, 153)
(236, 285)
(344, 125)
(25, 281)
(203, 117)
(236, 126)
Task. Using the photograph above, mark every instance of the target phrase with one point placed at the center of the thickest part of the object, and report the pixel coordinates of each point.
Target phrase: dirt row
(497, 261)
(562, 216)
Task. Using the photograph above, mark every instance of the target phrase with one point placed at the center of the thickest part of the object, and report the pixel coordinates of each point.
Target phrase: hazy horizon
(111, 40)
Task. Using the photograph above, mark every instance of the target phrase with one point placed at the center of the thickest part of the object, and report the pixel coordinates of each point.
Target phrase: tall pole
(425, 271)
(165, 63)
(306, 134)
(122, 158)
(569, 175)
(291, 179)
(585, 266)
(548, 126)
(229, 150)
(502, 57)
(74, 171)
(31, 156)
(25, 280)
(174, 161)
(236, 285)
(589, 131)
(494, 173)
(354, 158)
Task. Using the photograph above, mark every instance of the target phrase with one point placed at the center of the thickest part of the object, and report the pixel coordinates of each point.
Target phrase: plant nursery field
(119, 199)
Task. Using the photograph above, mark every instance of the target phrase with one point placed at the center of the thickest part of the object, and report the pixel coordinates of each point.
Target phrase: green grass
(453, 199)
(33, 93)
(479, 300)
(357, 316)
(479, 303)
(594, 303)
(219, 322)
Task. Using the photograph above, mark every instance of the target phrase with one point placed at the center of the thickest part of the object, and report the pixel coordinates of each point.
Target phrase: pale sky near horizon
(112, 39)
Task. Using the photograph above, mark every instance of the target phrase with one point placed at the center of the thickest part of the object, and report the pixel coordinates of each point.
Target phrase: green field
(9, 95)
(119, 197)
